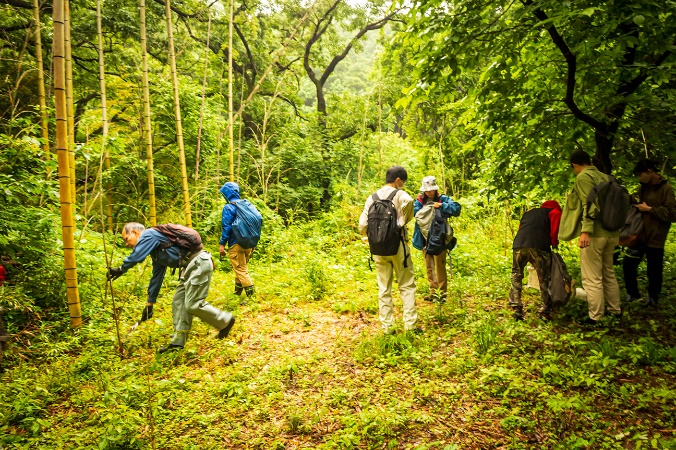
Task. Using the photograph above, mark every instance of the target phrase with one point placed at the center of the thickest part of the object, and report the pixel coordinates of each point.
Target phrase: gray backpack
(560, 283)
(632, 227)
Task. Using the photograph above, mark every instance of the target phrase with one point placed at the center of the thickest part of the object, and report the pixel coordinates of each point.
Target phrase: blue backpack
(247, 224)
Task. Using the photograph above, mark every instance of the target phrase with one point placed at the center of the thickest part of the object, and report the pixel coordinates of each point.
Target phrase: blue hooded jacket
(149, 244)
(230, 191)
(449, 208)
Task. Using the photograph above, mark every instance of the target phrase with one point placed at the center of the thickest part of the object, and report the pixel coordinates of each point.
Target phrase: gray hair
(134, 226)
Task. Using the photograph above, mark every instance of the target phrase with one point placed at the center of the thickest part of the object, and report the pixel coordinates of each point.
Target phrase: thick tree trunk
(69, 102)
(67, 223)
(604, 146)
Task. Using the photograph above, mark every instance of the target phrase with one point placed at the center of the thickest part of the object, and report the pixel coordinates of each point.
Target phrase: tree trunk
(204, 90)
(231, 136)
(177, 111)
(41, 80)
(104, 117)
(69, 102)
(147, 133)
(67, 223)
(604, 146)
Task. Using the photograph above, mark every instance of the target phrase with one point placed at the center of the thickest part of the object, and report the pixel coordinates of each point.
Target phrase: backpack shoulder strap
(375, 197)
(392, 195)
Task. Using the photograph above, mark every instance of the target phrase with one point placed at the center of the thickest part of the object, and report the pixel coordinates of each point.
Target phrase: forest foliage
(489, 96)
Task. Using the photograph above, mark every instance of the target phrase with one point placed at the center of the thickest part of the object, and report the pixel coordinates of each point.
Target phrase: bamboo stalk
(69, 102)
(204, 91)
(41, 80)
(104, 117)
(146, 116)
(177, 110)
(239, 129)
(231, 137)
(67, 223)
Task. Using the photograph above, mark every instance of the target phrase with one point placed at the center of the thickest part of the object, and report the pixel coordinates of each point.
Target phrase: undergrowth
(307, 364)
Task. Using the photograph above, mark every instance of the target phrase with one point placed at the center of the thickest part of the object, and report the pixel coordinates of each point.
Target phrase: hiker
(242, 244)
(655, 199)
(195, 269)
(383, 225)
(596, 243)
(435, 264)
(538, 233)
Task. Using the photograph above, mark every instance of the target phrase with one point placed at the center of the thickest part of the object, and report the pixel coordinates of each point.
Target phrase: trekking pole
(109, 282)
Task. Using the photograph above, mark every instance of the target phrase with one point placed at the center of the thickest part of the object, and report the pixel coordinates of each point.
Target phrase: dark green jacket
(657, 221)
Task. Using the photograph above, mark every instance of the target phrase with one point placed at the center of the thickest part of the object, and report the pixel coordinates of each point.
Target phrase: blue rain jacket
(230, 191)
(449, 208)
(149, 244)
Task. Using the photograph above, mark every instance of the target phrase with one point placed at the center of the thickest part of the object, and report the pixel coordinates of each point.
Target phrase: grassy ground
(307, 366)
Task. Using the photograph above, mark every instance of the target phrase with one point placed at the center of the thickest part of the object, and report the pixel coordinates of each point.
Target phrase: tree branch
(338, 58)
(571, 62)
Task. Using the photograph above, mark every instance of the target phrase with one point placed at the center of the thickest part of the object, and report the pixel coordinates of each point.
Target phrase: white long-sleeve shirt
(403, 203)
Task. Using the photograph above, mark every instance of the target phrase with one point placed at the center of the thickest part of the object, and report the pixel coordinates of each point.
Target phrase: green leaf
(639, 19)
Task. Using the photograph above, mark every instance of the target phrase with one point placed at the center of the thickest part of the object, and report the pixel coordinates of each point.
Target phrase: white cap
(429, 183)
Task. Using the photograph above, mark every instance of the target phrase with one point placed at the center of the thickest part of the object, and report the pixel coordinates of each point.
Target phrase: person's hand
(114, 273)
(584, 240)
(221, 251)
(436, 204)
(643, 207)
(147, 313)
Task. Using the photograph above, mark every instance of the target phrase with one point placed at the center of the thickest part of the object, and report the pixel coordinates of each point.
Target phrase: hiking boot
(518, 314)
(238, 289)
(631, 298)
(650, 302)
(547, 317)
(250, 291)
(225, 331)
(169, 348)
(588, 322)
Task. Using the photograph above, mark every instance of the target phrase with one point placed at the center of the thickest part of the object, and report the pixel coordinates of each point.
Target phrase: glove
(114, 273)
(147, 313)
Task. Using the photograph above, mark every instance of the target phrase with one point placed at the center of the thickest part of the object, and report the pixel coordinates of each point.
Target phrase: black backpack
(187, 239)
(436, 236)
(560, 283)
(613, 204)
(383, 232)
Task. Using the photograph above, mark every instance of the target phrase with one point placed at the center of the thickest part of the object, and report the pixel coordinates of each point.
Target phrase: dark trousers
(655, 261)
(542, 262)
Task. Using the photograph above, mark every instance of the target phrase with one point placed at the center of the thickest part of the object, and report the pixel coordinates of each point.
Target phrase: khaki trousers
(436, 271)
(385, 266)
(598, 276)
(239, 257)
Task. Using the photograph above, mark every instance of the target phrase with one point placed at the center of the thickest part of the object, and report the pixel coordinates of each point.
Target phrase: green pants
(189, 299)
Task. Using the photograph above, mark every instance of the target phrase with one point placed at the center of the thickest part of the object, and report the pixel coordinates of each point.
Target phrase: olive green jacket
(574, 219)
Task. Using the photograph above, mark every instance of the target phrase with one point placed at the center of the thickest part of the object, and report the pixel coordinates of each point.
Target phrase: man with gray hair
(168, 246)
